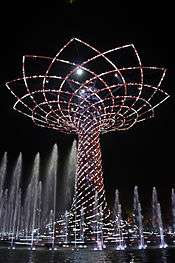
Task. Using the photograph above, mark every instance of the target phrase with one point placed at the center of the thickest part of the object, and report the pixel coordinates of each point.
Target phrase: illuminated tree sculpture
(87, 92)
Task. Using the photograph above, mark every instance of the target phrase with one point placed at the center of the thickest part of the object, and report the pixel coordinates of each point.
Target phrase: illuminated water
(87, 256)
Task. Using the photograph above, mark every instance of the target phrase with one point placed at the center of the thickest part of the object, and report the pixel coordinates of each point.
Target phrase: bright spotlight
(79, 71)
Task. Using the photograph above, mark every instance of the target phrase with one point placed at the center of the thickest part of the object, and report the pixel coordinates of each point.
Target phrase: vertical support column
(89, 174)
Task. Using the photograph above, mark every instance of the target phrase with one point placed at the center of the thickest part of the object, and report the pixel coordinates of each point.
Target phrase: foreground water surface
(87, 256)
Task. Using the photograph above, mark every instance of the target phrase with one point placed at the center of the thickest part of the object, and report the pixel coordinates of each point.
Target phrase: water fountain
(34, 190)
(120, 244)
(82, 226)
(22, 218)
(39, 208)
(14, 200)
(50, 193)
(28, 217)
(160, 225)
(154, 208)
(66, 219)
(68, 180)
(138, 218)
(3, 194)
(3, 168)
(3, 214)
(157, 218)
(53, 169)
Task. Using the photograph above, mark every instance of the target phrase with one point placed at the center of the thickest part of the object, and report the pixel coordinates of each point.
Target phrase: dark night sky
(145, 154)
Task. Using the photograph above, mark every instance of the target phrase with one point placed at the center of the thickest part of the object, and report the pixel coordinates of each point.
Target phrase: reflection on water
(87, 256)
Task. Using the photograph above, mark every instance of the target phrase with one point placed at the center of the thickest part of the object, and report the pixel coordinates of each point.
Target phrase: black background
(143, 155)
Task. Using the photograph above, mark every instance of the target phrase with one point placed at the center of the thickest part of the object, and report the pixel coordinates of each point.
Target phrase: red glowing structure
(87, 92)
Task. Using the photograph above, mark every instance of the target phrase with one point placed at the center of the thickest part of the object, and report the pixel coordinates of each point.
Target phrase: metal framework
(87, 92)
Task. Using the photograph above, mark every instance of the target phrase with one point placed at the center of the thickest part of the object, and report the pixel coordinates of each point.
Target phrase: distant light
(79, 71)
(82, 91)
